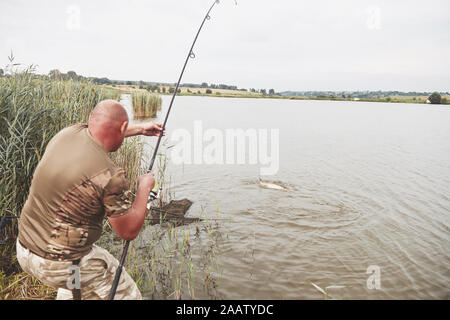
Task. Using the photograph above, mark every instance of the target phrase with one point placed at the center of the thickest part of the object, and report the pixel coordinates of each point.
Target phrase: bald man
(74, 187)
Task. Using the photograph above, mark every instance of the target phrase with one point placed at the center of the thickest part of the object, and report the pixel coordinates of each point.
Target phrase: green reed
(169, 262)
(145, 104)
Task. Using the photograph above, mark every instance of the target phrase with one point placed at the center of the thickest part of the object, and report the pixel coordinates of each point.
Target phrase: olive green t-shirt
(75, 186)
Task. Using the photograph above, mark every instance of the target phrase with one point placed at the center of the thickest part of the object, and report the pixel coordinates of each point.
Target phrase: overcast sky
(285, 44)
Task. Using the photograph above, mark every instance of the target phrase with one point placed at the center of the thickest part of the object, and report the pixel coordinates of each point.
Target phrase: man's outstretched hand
(151, 129)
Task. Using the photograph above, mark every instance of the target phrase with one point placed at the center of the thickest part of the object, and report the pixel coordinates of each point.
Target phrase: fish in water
(269, 185)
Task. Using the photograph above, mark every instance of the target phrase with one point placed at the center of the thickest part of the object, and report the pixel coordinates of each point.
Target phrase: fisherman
(75, 186)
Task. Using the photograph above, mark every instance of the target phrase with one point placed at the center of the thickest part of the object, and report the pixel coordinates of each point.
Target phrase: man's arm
(146, 129)
(134, 130)
(129, 225)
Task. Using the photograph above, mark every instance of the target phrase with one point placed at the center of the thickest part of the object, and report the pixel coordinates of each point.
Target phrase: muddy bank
(173, 213)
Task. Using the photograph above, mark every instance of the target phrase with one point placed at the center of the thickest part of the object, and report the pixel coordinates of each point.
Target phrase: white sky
(285, 45)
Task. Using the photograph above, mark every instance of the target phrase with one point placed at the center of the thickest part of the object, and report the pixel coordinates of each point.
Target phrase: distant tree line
(72, 75)
(354, 94)
(151, 86)
(434, 98)
(215, 86)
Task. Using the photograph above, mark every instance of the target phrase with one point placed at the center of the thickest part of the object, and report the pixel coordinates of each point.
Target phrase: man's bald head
(108, 123)
(108, 111)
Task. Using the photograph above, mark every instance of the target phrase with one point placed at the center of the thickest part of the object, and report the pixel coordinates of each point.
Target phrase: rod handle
(115, 283)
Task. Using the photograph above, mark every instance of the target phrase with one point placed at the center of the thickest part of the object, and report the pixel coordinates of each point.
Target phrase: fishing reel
(154, 194)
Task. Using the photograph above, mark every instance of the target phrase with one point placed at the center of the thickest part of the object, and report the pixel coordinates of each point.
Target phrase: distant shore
(418, 100)
(221, 93)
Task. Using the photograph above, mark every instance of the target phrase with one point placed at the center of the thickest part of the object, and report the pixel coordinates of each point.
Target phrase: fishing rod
(190, 55)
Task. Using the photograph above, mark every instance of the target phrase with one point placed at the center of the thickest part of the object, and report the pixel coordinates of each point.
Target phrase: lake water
(368, 190)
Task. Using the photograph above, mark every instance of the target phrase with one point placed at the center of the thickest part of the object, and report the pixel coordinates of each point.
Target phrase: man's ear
(123, 127)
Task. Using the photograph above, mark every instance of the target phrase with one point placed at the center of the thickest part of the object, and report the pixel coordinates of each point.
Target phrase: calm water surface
(368, 185)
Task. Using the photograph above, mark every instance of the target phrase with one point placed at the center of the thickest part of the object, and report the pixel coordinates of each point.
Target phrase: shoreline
(301, 98)
(397, 101)
(390, 99)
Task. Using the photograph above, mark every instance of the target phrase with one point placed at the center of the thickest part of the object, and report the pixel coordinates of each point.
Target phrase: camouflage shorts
(97, 271)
